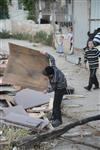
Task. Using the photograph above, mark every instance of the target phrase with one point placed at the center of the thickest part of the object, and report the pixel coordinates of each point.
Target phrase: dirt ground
(74, 108)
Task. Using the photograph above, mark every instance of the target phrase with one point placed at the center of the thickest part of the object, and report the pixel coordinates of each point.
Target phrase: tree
(30, 5)
(4, 14)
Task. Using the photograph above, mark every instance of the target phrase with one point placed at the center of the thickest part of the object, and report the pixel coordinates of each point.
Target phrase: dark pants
(56, 114)
(93, 79)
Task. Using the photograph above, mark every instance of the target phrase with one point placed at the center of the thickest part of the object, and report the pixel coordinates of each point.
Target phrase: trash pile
(24, 108)
(21, 109)
(24, 112)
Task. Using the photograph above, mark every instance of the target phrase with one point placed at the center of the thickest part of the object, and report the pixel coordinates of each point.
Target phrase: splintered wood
(25, 68)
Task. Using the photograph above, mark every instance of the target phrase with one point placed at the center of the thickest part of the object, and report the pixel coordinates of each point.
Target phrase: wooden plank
(74, 96)
(25, 68)
(7, 98)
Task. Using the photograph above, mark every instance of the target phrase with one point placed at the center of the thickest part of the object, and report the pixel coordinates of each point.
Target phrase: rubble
(41, 111)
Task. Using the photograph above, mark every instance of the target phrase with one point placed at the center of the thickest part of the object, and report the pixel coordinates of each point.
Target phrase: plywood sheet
(29, 98)
(25, 68)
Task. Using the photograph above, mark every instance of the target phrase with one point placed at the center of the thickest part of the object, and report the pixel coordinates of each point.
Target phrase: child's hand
(43, 52)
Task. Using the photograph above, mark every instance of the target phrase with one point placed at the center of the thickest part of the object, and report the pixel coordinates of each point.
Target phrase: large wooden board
(25, 68)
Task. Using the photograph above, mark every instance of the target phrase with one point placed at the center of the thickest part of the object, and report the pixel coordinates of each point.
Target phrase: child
(92, 56)
(69, 39)
(58, 84)
(60, 48)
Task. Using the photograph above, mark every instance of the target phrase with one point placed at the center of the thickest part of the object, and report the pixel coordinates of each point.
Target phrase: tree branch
(33, 140)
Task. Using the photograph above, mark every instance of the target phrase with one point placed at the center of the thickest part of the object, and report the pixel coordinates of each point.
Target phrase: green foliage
(44, 38)
(5, 34)
(30, 5)
(20, 36)
(4, 14)
(40, 37)
(49, 40)
(11, 133)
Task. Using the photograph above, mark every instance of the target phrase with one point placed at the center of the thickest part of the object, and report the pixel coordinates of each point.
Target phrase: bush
(22, 36)
(40, 36)
(49, 40)
(5, 34)
(43, 37)
(19, 36)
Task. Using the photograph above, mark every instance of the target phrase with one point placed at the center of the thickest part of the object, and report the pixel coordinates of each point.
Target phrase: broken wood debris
(29, 140)
(5, 89)
(42, 108)
(73, 96)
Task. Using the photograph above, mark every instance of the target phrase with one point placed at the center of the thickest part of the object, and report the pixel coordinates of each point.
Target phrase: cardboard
(25, 68)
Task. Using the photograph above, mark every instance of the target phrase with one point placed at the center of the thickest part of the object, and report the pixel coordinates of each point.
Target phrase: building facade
(83, 15)
(86, 17)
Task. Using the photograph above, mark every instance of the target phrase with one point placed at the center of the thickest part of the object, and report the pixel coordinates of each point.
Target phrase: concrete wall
(29, 27)
(24, 26)
(81, 23)
(18, 22)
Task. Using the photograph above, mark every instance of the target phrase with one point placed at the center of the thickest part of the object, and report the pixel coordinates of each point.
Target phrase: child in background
(69, 39)
(92, 55)
(60, 48)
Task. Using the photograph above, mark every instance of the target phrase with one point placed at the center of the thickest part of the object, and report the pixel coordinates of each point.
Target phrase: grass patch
(11, 133)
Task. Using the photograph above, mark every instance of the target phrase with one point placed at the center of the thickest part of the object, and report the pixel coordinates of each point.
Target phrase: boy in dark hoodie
(58, 84)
